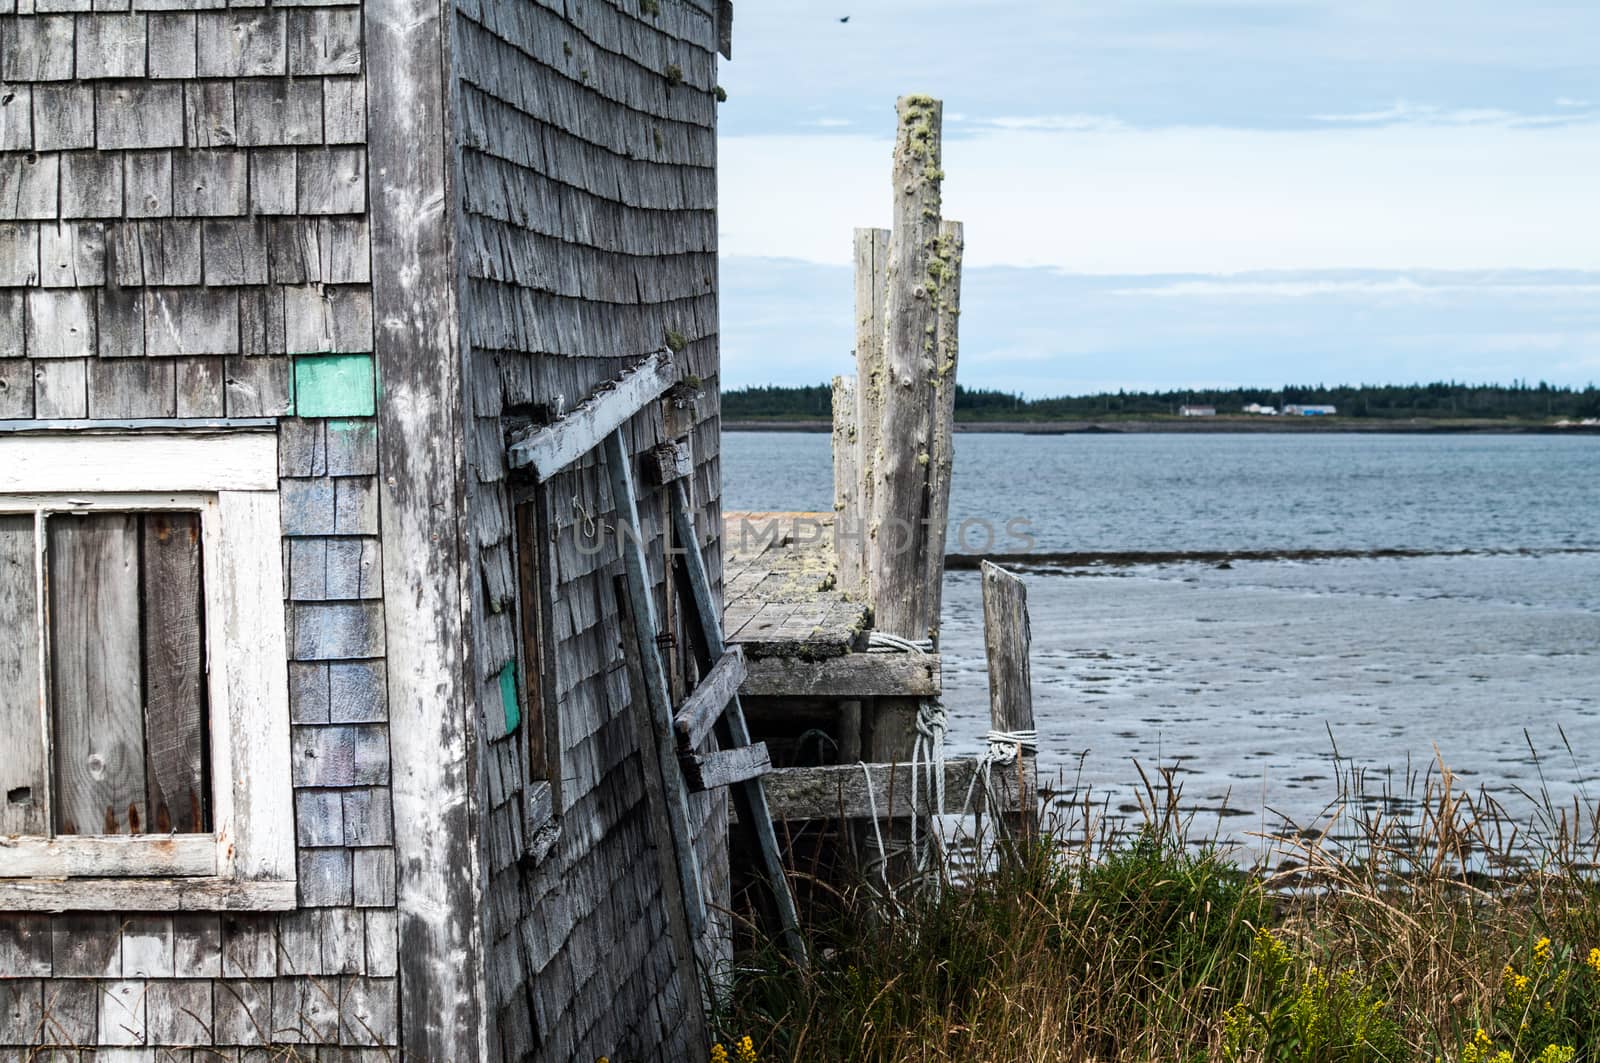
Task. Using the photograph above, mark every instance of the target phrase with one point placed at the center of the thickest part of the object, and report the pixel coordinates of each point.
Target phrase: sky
(1175, 193)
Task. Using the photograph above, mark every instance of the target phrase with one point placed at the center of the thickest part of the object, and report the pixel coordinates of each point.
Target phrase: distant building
(1310, 411)
(1260, 410)
(1197, 411)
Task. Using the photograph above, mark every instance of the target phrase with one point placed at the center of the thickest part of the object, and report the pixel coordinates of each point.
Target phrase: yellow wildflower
(1557, 1054)
(719, 1054)
(747, 1050)
(1541, 951)
(1594, 960)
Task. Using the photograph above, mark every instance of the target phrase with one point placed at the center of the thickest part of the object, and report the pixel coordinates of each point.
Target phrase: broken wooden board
(706, 703)
(550, 448)
(841, 791)
(853, 676)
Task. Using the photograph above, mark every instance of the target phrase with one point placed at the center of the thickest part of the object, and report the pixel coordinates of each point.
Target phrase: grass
(1442, 932)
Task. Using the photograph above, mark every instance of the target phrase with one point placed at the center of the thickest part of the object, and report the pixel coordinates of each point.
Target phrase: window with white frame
(143, 690)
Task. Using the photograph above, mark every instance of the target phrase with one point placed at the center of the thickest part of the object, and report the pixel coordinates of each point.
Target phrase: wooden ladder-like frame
(713, 706)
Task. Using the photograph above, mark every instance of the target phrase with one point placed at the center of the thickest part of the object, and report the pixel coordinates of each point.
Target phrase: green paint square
(334, 385)
(508, 696)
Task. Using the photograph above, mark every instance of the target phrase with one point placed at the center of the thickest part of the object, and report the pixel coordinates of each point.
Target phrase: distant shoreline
(1203, 425)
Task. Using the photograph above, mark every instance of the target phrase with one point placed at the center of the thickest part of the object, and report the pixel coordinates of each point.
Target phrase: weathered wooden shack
(318, 726)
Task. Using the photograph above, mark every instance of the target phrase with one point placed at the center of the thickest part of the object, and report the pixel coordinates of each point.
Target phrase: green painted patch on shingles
(508, 696)
(334, 385)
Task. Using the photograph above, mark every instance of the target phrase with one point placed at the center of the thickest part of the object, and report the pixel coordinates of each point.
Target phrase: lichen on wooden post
(944, 274)
(848, 525)
(898, 541)
(872, 274)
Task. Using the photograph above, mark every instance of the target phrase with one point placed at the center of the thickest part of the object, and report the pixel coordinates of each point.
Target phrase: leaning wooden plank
(706, 703)
(843, 790)
(174, 654)
(749, 798)
(123, 855)
(855, 675)
(24, 770)
(197, 461)
(658, 699)
(96, 674)
(549, 449)
(707, 771)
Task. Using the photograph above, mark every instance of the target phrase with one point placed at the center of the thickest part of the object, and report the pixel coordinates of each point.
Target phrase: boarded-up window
(541, 719)
(103, 678)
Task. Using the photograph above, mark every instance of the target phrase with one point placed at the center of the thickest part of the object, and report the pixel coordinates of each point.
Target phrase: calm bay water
(1246, 679)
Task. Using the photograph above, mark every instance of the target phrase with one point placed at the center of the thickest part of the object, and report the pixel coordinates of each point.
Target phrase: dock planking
(780, 587)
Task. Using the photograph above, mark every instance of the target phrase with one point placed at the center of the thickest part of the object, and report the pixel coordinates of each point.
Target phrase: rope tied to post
(1005, 748)
(927, 749)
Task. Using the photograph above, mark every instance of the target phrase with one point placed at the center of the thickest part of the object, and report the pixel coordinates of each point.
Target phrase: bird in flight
(845, 19)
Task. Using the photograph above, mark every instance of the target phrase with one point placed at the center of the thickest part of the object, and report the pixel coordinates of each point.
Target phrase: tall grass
(1415, 929)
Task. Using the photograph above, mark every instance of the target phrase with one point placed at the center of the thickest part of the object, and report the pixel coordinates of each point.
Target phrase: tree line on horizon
(1442, 399)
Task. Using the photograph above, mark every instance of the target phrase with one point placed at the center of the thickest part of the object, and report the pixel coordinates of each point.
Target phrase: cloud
(1389, 288)
(1045, 331)
(1094, 197)
(1428, 114)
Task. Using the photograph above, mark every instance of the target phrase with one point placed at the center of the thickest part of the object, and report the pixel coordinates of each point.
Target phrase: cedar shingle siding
(184, 209)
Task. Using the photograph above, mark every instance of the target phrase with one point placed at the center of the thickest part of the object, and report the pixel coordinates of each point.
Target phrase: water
(1245, 680)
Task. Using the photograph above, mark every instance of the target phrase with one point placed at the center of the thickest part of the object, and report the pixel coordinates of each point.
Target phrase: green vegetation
(1395, 945)
(1442, 400)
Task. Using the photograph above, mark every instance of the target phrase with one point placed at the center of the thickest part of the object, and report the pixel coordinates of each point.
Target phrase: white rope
(883, 642)
(927, 749)
(883, 854)
(927, 768)
(1004, 748)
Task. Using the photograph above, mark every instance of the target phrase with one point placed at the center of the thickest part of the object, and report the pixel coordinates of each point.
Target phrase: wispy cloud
(1093, 196)
(1055, 123)
(1386, 288)
(1404, 111)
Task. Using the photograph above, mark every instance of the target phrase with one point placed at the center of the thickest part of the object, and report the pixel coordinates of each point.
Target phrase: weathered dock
(815, 689)
(836, 615)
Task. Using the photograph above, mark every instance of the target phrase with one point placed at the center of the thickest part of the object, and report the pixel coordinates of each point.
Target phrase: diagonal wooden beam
(657, 695)
(548, 449)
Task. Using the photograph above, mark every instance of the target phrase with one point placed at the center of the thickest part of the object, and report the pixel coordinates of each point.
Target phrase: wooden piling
(900, 477)
(1006, 640)
(945, 289)
(898, 541)
(872, 276)
(849, 527)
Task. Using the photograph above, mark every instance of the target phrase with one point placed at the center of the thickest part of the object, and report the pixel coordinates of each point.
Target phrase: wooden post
(945, 289)
(1006, 639)
(849, 527)
(898, 547)
(872, 275)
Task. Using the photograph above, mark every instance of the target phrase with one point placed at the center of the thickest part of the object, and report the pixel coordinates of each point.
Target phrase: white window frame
(231, 479)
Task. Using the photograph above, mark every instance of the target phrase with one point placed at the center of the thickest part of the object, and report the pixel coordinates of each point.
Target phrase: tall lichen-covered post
(898, 546)
(872, 275)
(944, 279)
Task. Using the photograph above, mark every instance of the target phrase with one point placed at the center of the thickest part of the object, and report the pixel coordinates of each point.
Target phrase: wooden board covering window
(127, 673)
(541, 722)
